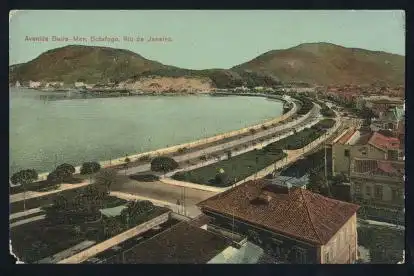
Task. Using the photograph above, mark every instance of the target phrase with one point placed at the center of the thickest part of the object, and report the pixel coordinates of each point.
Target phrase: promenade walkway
(32, 194)
(292, 156)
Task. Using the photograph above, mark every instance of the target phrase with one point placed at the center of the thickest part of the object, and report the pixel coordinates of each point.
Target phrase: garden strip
(244, 165)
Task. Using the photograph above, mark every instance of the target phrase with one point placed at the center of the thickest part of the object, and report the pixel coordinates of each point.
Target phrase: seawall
(171, 149)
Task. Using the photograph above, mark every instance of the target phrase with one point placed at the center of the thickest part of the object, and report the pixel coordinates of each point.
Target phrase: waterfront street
(221, 149)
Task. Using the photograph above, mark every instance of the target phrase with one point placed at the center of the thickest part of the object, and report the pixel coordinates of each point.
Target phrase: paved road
(162, 192)
(191, 210)
(220, 149)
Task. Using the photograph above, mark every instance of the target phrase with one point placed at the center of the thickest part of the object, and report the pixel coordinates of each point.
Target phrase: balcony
(378, 177)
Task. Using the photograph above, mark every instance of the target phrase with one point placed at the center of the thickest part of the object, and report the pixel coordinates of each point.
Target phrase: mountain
(325, 64)
(312, 63)
(83, 63)
(92, 64)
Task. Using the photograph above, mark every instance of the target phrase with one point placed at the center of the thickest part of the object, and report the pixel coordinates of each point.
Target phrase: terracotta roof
(346, 136)
(298, 213)
(383, 142)
(372, 166)
(183, 243)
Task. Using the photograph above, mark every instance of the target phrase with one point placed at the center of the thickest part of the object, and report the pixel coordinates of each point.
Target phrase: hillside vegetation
(325, 63)
(312, 63)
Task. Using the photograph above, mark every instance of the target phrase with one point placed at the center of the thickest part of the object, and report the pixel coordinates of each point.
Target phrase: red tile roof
(383, 142)
(299, 213)
(346, 136)
(395, 168)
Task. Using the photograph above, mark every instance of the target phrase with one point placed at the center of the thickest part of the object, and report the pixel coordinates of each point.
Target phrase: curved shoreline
(215, 138)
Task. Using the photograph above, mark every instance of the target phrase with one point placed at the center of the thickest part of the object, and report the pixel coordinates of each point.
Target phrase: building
(79, 84)
(379, 185)
(188, 243)
(35, 84)
(292, 224)
(363, 144)
(380, 105)
(290, 181)
(391, 119)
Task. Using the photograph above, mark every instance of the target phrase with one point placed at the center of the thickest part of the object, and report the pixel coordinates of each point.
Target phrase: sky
(202, 39)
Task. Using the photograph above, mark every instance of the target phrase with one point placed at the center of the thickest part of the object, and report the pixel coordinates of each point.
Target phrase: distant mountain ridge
(325, 63)
(314, 63)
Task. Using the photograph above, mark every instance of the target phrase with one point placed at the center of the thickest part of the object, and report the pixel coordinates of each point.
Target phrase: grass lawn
(385, 244)
(306, 165)
(237, 168)
(244, 165)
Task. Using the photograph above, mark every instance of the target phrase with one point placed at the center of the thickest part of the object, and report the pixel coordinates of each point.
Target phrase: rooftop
(377, 139)
(294, 212)
(113, 212)
(370, 166)
(346, 136)
(183, 243)
(383, 142)
(386, 101)
(361, 138)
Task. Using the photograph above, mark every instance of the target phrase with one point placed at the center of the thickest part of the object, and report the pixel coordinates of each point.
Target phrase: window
(392, 155)
(368, 191)
(378, 191)
(400, 193)
(346, 153)
(394, 194)
(327, 259)
(300, 255)
(358, 187)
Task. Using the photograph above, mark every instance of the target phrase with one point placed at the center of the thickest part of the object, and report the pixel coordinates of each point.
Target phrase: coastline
(174, 148)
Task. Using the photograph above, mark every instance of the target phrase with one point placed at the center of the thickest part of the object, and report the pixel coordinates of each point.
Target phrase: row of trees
(61, 173)
(326, 111)
(305, 107)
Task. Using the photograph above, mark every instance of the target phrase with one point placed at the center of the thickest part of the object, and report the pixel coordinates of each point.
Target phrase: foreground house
(292, 224)
(188, 243)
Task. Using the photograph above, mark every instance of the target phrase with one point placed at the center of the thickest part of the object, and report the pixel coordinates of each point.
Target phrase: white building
(79, 84)
(34, 84)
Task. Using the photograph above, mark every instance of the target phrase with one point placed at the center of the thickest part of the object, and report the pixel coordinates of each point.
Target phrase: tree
(222, 179)
(316, 181)
(339, 179)
(163, 164)
(61, 173)
(228, 154)
(106, 179)
(127, 161)
(24, 177)
(135, 209)
(112, 227)
(90, 168)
